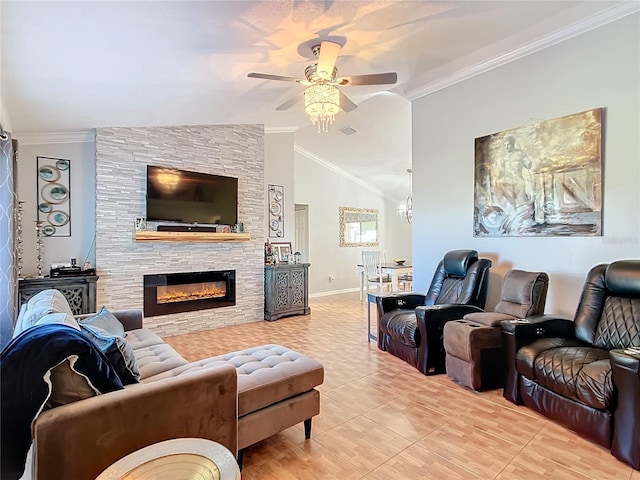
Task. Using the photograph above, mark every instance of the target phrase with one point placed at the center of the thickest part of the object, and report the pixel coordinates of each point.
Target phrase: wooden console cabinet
(286, 290)
(79, 290)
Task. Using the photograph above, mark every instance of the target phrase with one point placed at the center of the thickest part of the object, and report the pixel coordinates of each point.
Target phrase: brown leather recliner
(410, 325)
(585, 374)
(475, 357)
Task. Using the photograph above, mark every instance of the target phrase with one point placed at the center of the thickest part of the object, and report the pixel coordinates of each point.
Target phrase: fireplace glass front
(186, 292)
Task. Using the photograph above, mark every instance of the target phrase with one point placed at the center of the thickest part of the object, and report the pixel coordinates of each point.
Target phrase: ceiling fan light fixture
(322, 102)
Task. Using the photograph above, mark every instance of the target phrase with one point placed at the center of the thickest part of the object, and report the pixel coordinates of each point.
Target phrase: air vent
(348, 130)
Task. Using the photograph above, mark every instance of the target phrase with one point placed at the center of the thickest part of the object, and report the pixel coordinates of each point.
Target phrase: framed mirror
(358, 227)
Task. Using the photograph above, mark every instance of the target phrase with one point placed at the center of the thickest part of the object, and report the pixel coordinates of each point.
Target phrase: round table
(180, 458)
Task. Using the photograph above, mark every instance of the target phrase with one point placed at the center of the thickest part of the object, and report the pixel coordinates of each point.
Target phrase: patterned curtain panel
(8, 261)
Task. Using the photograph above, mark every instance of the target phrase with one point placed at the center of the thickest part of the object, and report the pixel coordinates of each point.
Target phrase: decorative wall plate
(62, 164)
(49, 173)
(48, 230)
(55, 193)
(45, 207)
(275, 208)
(58, 218)
(274, 225)
(277, 196)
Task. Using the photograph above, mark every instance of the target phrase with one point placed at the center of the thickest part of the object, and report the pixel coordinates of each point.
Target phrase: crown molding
(280, 129)
(80, 136)
(339, 171)
(590, 23)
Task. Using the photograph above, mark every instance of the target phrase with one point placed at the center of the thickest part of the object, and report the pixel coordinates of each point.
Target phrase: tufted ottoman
(275, 389)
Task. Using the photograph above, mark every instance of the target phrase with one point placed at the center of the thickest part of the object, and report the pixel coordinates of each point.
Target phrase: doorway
(302, 231)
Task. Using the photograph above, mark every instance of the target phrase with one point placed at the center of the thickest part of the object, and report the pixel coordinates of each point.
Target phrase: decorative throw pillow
(118, 352)
(105, 320)
(67, 385)
(41, 304)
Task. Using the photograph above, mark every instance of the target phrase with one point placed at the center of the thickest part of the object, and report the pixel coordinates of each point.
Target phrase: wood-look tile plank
(417, 463)
(332, 413)
(362, 444)
(566, 448)
(474, 450)
(408, 419)
(361, 395)
(283, 457)
(530, 465)
(510, 425)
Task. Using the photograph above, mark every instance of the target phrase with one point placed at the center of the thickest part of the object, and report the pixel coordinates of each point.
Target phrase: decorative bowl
(399, 261)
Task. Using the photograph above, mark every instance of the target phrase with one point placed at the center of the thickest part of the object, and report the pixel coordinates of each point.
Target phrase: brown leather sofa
(585, 373)
(410, 325)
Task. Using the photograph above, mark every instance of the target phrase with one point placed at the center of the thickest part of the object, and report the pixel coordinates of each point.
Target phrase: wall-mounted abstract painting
(542, 179)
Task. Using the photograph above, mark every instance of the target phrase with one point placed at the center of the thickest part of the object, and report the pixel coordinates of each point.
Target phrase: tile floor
(381, 419)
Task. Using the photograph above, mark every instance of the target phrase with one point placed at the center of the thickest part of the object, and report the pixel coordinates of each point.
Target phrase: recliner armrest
(625, 368)
(405, 301)
(539, 326)
(445, 312)
(431, 320)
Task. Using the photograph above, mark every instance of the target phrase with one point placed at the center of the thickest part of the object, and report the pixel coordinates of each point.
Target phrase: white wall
(82, 196)
(325, 191)
(278, 150)
(597, 69)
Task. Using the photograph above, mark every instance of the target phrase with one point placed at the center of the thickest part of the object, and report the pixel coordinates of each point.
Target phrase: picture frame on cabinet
(282, 250)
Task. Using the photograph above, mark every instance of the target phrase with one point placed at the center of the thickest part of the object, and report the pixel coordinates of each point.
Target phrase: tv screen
(190, 197)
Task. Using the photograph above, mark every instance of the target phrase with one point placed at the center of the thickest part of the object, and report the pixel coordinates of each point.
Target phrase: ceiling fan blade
(346, 104)
(266, 76)
(373, 79)
(328, 55)
(290, 103)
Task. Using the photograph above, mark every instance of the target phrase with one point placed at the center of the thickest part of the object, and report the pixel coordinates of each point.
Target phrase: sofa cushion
(105, 320)
(41, 304)
(117, 350)
(155, 360)
(141, 338)
(266, 374)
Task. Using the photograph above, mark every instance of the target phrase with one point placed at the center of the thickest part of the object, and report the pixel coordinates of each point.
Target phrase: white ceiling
(77, 65)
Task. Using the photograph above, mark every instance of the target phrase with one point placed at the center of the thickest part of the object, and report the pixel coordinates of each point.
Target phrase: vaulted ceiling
(77, 65)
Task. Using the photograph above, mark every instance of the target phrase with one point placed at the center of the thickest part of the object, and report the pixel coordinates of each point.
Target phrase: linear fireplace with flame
(186, 292)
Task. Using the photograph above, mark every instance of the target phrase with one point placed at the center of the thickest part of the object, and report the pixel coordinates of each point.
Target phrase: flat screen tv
(190, 197)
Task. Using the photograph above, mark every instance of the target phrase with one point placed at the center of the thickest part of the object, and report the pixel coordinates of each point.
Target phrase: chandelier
(322, 102)
(405, 207)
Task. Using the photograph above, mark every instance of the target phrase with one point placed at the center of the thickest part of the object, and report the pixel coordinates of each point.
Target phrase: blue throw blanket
(23, 364)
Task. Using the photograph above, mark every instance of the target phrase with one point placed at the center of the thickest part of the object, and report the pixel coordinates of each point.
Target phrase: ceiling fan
(322, 97)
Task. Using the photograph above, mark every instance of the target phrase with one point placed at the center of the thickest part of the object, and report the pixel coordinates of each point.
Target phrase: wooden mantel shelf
(151, 236)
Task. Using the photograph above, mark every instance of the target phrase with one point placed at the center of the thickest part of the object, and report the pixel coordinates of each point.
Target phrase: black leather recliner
(585, 373)
(410, 325)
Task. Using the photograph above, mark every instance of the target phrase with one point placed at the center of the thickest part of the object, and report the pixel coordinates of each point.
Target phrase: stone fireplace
(122, 156)
(188, 292)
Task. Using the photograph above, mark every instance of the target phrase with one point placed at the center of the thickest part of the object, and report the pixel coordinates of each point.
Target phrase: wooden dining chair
(372, 261)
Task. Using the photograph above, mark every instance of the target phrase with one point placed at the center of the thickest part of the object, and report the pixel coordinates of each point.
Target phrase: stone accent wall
(122, 155)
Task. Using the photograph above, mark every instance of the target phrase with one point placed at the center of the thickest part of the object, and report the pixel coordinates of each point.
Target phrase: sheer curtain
(8, 260)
